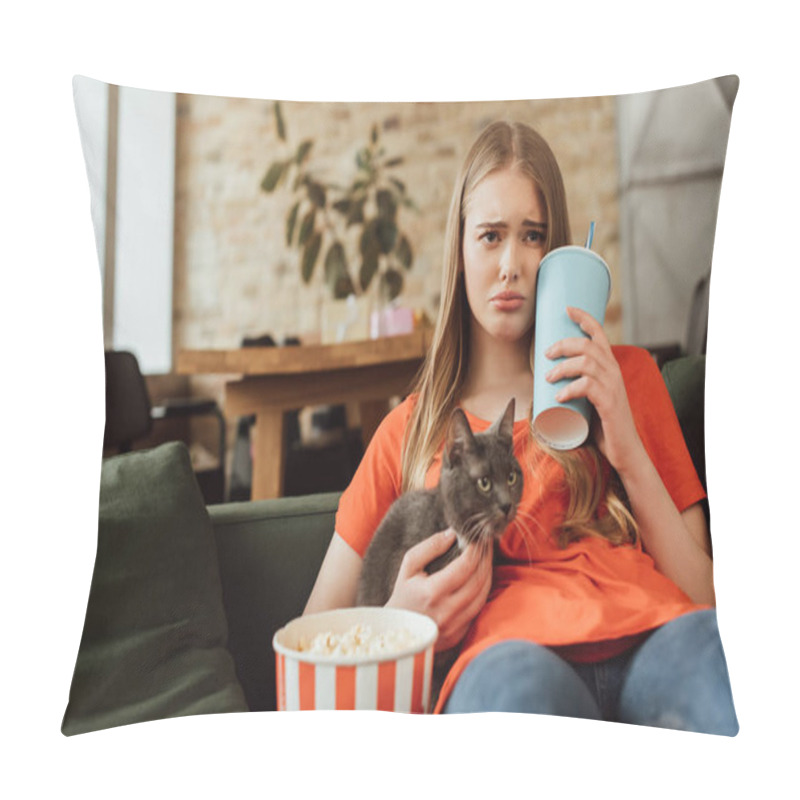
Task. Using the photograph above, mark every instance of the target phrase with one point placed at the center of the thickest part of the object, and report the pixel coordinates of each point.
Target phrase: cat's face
(481, 480)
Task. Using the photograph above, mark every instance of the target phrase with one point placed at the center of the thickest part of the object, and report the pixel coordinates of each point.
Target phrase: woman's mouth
(507, 301)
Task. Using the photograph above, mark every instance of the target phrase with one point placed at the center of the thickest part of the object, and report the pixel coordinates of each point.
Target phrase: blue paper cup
(568, 276)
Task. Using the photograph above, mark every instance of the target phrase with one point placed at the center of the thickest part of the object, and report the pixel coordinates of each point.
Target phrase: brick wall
(233, 272)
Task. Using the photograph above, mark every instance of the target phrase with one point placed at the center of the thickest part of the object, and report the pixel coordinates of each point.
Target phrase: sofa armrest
(685, 378)
(269, 554)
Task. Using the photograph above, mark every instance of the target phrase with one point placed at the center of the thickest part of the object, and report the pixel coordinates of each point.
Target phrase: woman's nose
(509, 266)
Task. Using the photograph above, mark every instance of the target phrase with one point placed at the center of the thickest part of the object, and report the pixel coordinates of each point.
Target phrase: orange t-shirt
(589, 600)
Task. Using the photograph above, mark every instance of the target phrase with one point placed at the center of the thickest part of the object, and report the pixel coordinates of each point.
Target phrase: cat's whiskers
(532, 518)
(528, 517)
(473, 527)
(527, 531)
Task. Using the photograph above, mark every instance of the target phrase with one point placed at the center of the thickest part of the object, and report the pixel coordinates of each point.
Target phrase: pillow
(685, 378)
(154, 639)
(221, 219)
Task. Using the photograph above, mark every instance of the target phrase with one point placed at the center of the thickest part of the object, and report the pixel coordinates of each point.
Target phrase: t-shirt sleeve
(376, 483)
(658, 426)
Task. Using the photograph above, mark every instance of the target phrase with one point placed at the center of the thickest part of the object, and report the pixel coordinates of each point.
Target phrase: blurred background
(202, 208)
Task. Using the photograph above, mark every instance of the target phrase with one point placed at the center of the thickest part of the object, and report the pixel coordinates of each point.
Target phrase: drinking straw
(590, 236)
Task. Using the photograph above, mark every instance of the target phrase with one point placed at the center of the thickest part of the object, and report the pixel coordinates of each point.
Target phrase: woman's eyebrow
(527, 223)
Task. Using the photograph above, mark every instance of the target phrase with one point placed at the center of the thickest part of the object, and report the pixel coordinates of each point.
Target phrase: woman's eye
(512, 478)
(537, 237)
(484, 484)
(490, 236)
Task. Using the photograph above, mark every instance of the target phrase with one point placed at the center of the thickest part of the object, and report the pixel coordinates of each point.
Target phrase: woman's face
(505, 229)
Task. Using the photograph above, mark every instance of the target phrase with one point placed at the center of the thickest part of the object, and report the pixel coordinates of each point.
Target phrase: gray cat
(479, 488)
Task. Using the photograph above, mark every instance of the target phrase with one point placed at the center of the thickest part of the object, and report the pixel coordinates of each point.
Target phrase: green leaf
(374, 134)
(403, 252)
(290, 223)
(364, 160)
(316, 193)
(274, 174)
(401, 187)
(391, 283)
(369, 244)
(303, 150)
(369, 266)
(394, 162)
(279, 121)
(306, 227)
(310, 253)
(355, 215)
(343, 206)
(387, 205)
(386, 233)
(335, 263)
(343, 287)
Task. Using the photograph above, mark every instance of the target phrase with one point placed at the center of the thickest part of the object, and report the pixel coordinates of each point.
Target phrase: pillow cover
(154, 639)
(214, 215)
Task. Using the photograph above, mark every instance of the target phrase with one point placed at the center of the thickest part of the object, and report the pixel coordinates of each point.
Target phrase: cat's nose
(505, 509)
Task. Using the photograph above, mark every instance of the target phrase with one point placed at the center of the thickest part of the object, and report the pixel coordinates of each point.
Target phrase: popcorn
(359, 640)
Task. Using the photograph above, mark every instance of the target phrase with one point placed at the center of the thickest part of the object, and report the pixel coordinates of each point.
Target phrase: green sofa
(269, 554)
(185, 598)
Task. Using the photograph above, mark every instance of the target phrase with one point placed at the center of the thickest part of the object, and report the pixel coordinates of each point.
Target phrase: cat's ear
(504, 425)
(459, 438)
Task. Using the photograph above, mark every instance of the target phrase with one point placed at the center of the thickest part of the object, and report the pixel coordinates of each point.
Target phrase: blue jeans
(677, 678)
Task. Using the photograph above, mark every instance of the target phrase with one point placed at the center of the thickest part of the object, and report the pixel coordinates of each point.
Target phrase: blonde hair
(502, 145)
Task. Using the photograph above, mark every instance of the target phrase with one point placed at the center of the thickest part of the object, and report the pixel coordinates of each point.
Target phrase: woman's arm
(451, 597)
(337, 580)
(678, 542)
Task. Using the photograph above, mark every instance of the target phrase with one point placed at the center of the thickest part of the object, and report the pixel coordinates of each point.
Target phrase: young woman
(599, 603)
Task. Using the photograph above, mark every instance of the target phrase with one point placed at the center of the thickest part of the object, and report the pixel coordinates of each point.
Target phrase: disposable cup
(395, 680)
(568, 276)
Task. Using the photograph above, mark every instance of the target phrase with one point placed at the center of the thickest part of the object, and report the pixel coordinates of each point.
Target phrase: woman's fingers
(580, 387)
(456, 574)
(575, 345)
(469, 599)
(454, 594)
(571, 346)
(572, 367)
(588, 324)
(462, 606)
(420, 555)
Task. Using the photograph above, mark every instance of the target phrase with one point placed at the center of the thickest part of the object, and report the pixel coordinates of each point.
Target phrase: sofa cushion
(685, 378)
(270, 552)
(154, 637)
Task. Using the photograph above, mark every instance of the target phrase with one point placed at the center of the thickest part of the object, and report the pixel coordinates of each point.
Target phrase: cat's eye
(512, 478)
(484, 484)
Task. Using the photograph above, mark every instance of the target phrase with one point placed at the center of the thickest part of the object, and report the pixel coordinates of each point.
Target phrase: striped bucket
(396, 681)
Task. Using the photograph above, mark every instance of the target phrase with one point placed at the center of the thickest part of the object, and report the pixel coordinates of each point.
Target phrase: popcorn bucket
(376, 659)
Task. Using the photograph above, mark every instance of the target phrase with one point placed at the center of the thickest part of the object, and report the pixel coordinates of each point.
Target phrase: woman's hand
(598, 378)
(677, 542)
(453, 596)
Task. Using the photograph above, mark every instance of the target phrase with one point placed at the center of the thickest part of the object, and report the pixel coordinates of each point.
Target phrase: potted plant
(352, 229)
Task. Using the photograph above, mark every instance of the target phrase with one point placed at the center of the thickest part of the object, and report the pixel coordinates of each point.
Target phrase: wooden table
(276, 380)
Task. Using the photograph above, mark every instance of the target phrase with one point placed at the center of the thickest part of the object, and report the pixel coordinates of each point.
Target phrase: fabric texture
(154, 638)
(677, 678)
(591, 592)
(685, 379)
